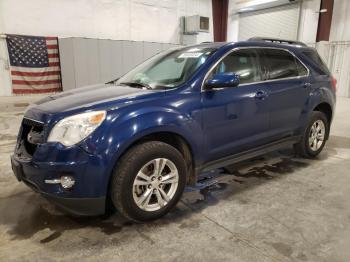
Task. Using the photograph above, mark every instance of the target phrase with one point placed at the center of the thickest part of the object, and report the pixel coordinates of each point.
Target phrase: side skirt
(229, 160)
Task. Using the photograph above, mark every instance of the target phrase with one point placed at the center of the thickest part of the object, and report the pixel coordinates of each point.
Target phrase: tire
(129, 184)
(304, 148)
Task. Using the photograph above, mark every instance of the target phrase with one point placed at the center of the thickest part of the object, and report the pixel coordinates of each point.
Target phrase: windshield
(168, 69)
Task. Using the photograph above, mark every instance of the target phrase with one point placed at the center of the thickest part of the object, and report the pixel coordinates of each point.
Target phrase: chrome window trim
(258, 82)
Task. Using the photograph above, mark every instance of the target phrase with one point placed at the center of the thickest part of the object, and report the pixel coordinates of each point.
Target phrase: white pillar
(5, 77)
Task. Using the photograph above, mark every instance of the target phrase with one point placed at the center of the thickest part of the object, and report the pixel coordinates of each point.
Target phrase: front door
(236, 118)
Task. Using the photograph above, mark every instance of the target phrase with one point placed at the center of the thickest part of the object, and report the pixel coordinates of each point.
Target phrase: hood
(87, 97)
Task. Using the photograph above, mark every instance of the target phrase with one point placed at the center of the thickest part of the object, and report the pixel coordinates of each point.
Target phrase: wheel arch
(171, 138)
(325, 108)
(174, 139)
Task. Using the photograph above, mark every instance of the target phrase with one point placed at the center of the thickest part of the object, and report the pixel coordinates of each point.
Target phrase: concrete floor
(275, 208)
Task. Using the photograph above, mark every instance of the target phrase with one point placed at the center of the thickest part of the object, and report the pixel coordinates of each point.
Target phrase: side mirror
(221, 80)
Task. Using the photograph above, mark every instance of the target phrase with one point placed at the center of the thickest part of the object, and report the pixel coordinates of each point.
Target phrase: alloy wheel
(317, 135)
(155, 184)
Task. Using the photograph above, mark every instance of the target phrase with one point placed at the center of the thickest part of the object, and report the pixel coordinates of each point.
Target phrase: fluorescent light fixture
(246, 9)
(254, 5)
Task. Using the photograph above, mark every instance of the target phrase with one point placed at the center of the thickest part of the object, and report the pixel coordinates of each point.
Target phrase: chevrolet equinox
(136, 142)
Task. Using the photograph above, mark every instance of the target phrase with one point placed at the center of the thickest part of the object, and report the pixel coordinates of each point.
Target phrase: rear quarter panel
(321, 89)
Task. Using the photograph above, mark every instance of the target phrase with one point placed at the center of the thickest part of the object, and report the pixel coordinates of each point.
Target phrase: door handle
(306, 85)
(260, 94)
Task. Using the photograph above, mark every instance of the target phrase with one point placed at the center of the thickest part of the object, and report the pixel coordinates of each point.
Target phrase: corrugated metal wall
(337, 57)
(87, 61)
(339, 63)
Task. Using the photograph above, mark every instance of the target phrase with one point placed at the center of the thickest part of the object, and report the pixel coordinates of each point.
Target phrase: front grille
(32, 134)
(31, 122)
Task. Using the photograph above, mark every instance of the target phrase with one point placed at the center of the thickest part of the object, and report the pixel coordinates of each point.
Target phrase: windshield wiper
(112, 81)
(136, 84)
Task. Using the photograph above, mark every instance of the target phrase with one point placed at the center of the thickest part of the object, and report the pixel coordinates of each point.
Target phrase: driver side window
(242, 62)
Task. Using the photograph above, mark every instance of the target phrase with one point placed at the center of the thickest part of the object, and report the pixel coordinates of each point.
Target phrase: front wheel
(148, 181)
(314, 137)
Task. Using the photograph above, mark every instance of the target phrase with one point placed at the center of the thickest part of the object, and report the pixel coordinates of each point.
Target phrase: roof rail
(277, 40)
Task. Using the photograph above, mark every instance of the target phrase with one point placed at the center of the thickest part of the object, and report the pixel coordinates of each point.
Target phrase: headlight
(73, 129)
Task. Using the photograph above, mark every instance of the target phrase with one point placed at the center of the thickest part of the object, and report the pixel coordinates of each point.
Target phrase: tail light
(334, 84)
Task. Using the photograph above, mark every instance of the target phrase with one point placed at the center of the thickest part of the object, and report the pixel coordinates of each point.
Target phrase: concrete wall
(140, 20)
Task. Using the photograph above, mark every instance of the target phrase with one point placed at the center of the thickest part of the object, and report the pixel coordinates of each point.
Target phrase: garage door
(277, 22)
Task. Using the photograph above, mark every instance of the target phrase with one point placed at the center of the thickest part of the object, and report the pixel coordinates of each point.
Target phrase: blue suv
(136, 142)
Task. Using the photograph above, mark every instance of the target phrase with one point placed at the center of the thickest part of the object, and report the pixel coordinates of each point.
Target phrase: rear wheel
(315, 135)
(148, 181)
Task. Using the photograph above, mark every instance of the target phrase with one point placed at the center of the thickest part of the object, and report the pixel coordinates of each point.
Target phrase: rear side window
(301, 68)
(279, 64)
(314, 57)
(242, 62)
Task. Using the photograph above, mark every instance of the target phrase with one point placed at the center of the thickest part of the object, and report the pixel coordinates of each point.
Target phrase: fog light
(67, 182)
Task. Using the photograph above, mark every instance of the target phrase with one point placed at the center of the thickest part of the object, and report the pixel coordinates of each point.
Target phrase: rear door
(288, 86)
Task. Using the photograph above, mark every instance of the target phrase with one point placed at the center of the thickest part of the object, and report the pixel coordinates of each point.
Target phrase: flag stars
(28, 51)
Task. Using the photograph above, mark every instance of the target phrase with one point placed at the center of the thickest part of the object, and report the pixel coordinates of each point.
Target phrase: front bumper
(79, 206)
(88, 195)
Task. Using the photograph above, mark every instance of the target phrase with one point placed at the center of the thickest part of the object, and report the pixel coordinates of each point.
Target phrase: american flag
(35, 64)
